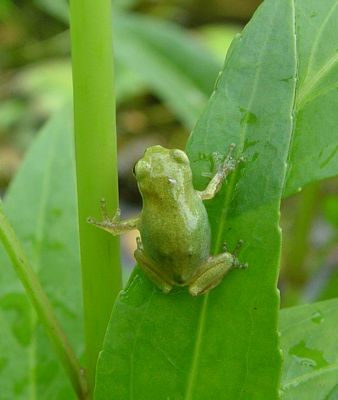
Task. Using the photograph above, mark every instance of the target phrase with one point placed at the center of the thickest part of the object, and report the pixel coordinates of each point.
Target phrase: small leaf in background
(151, 55)
(223, 345)
(41, 205)
(314, 150)
(326, 280)
(309, 342)
(58, 9)
(330, 208)
(175, 67)
(49, 84)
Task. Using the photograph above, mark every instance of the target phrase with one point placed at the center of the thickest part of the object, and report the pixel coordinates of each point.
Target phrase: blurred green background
(168, 54)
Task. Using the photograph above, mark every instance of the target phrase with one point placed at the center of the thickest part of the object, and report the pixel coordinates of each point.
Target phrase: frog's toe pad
(242, 266)
(194, 290)
(165, 288)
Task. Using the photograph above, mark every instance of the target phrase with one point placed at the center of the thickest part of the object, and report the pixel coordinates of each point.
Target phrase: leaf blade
(310, 351)
(41, 206)
(209, 361)
(314, 151)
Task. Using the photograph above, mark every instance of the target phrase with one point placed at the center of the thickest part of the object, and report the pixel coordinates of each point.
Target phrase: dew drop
(317, 317)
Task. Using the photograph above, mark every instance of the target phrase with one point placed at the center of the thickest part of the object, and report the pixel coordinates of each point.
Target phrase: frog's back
(176, 236)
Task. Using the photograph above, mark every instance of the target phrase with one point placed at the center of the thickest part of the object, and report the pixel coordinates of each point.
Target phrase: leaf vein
(319, 36)
(196, 354)
(311, 375)
(312, 83)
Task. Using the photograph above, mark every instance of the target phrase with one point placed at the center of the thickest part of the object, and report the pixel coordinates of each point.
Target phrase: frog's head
(163, 171)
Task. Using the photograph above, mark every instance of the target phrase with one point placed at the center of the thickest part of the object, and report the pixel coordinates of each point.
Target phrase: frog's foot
(109, 224)
(237, 263)
(113, 224)
(238, 247)
(223, 170)
(105, 213)
(230, 163)
(211, 273)
(139, 243)
(149, 268)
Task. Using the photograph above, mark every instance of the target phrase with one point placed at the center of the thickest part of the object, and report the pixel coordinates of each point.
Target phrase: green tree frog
(174, 244)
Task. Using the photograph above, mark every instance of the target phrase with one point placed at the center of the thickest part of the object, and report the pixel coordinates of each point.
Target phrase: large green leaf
(223, 345)
(314, 152)
(41, 205)
(309, 343)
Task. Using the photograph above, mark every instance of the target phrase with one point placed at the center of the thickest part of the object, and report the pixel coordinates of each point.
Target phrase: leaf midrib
(224, 212)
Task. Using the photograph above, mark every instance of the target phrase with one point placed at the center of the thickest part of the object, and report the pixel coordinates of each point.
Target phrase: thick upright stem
(95, 139)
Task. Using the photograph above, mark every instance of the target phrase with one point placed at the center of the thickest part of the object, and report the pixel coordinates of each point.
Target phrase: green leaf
(225, 344)
(314, 151)
(175, 66)
(41, 205)
(330, 209)
(309, 343)
(49, 84)
(57, 9)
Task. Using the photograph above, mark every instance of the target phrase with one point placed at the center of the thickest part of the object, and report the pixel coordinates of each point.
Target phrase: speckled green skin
(174, 247)
(174, 224)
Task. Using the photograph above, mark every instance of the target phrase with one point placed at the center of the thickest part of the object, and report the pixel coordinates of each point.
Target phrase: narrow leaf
(175, 66)
(314, 150)
(41, 206)
(309, 342)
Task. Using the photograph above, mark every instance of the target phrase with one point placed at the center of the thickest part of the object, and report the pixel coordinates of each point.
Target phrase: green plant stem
(96, 164)
(42, 306)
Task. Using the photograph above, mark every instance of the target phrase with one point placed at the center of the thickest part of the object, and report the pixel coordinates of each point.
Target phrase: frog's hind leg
(149, 268)
(211, 273)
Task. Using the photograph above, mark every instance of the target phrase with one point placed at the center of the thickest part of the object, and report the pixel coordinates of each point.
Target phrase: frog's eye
(141, 169)
(180, 156)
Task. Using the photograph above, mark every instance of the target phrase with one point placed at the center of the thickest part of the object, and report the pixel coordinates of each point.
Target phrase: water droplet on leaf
(317, 317)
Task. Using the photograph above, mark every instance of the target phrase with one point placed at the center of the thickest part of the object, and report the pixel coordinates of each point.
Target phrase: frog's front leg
(151, 270)
(229, 164)
(114, 225)
(210, 274)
